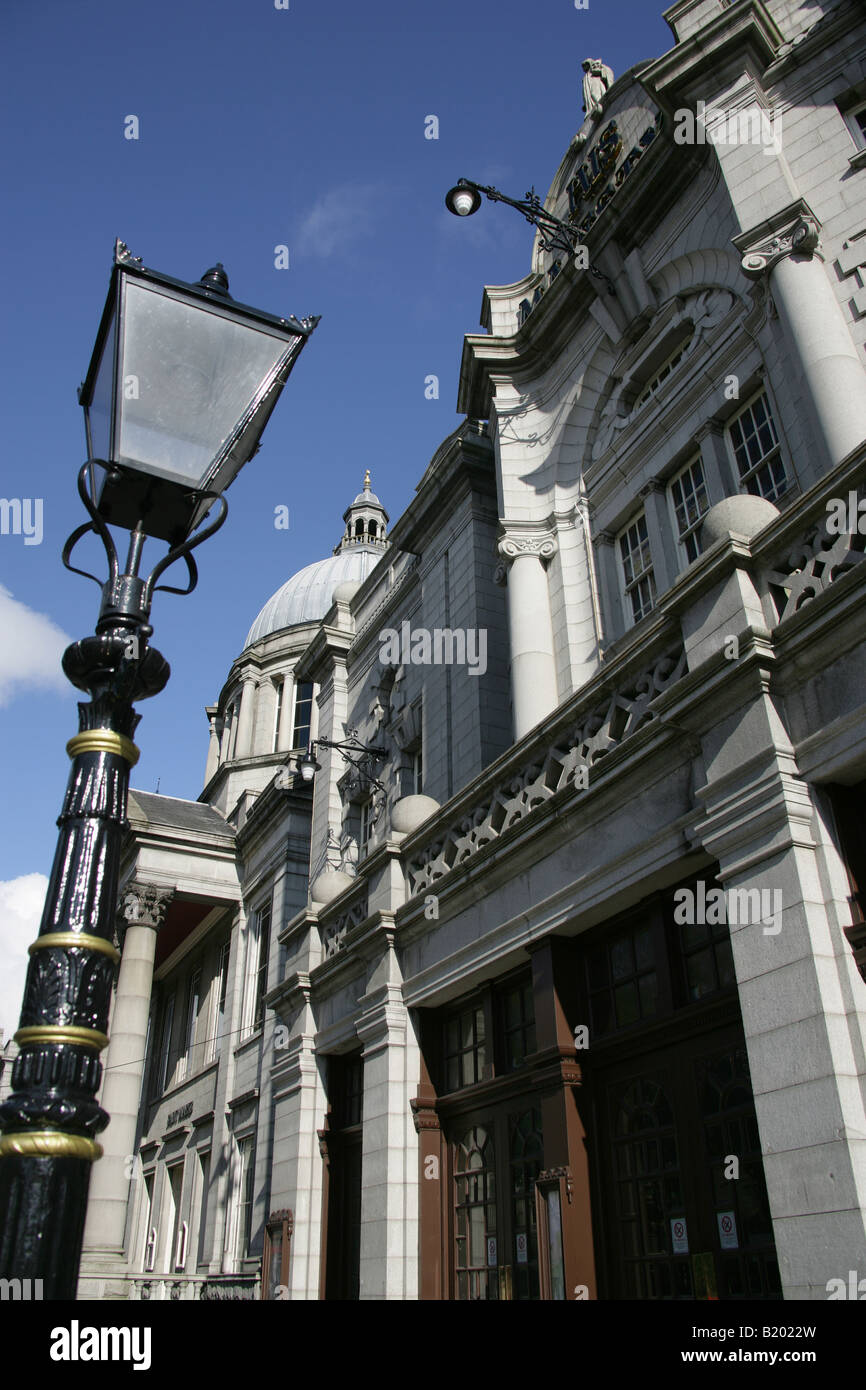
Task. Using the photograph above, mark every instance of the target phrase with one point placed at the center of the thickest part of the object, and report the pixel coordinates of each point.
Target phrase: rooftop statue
(597, 78)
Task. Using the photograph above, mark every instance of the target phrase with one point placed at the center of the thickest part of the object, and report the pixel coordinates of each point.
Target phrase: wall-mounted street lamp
(352, 750)
(464, 200)
(179, 389)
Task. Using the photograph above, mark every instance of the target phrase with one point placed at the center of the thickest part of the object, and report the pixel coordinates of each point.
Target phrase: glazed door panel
(495, 1157)
(685, 1203)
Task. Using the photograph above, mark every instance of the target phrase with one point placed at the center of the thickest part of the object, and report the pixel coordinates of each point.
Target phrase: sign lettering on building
(602, 174)
(177, 1116)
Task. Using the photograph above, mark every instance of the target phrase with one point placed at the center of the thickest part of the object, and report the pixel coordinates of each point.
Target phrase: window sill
(858, 160)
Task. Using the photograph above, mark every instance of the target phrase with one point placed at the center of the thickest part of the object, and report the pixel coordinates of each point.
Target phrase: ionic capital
(793, 231)
(541, 544)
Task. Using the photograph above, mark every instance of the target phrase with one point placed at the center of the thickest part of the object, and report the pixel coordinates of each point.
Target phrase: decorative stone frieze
(602, 726)
(334, 933)
(815, 561)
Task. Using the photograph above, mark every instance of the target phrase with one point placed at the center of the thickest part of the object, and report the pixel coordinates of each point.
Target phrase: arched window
(371, 530)
(359, 529)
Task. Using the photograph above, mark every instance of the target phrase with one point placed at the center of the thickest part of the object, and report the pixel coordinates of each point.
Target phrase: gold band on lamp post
(103, 741)
(48, 1144)
(75, 938)
(60, 1033)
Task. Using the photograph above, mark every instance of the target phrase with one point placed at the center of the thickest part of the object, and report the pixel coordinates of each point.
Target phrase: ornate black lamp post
(179, 389)
(464, 200)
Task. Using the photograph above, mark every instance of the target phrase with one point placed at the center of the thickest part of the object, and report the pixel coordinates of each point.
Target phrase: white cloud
(339, 219)
(21, 903)
(30, 651)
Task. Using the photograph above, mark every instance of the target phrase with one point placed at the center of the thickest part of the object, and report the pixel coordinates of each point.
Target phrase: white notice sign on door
(728, 1238)
(522, 1243)
(679, 1235)
(491, 1250)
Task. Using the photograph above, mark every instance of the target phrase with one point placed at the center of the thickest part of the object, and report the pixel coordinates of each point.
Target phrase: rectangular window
(278, 712)
(192, 998)
(162, 1070)
(623, 980)
(756, 450)
(708, 964)
(223, 981)
(366, 825)
(203, 1182)
(175, 1255)
(417, 773)
(516, 1024)
(150, 1232)
(640, 586)
(854, 117)
(303, 714)
(465, 1048)
(264, 947)
(345, 1090)
(246, 1179)
(691, 503)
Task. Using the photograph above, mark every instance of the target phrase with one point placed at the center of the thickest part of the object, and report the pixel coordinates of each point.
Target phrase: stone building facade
(560, 992)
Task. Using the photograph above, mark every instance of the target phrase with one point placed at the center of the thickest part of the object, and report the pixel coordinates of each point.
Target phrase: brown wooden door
(685, 1211)
(495, 1155)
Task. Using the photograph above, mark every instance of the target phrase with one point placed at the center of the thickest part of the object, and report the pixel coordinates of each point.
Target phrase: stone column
(213, 752)
(530, 628)
(389, 1197)
(144, 908)
(243, 743)
(284, 742)
(784, 249)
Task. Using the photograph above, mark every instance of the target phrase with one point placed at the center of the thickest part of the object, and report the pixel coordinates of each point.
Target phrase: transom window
(489, 1034)
(465, 1048)
(623, 980)
(756, 450)
(691, 503)
(640, 586)
(517, 1022)
(664, 371)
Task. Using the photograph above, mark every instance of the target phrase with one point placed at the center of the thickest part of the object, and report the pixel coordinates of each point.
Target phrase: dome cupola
(366, 521)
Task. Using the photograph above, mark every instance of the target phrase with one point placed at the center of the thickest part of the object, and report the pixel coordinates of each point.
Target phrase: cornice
(746, 26)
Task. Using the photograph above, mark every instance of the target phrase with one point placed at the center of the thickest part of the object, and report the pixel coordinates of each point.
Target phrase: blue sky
(257, 127)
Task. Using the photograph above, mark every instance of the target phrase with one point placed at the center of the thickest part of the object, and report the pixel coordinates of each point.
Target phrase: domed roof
(307, 596)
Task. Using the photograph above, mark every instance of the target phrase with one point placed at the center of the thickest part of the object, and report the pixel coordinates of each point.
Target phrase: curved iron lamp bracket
(140, 594)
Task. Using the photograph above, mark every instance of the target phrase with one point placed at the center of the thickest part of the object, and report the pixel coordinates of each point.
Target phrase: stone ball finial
(744, 514)
(329, 884)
